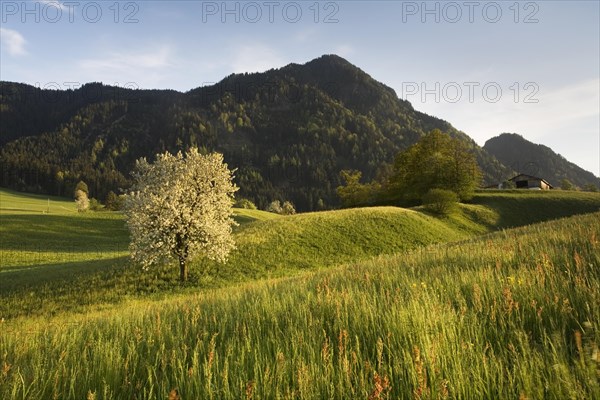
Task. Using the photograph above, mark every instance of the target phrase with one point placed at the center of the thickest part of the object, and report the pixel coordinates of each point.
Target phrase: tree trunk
(182, 253)
(183, 269)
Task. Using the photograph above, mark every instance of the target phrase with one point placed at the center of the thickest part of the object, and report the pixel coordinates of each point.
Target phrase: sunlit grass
(51, 262)
(513, 315)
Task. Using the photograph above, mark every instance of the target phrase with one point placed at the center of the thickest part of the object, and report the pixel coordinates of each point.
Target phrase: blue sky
(531, 68)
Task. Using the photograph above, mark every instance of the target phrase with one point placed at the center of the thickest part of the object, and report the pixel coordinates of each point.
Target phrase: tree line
(288, 142)
(436, 162)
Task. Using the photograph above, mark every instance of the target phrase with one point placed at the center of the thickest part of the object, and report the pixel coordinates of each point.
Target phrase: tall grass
(513, 315)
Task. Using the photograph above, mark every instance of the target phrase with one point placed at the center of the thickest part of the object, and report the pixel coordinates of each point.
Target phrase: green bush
(287, 208)
(245, 203)
(440, 201)
(114, 202)
(95, 205)
(274, 207)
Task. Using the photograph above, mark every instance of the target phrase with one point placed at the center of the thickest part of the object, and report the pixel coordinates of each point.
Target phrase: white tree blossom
(180, 207)
(82, 201)
(288, 208)
(274, 207)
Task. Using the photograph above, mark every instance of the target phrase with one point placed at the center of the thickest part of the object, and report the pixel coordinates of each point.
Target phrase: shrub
(288, 208)
(275, 207)
(440, 201)
(95, 205)
(114, 202)
(82, 201)
(245, 203)
(566, 184)
(508, 185)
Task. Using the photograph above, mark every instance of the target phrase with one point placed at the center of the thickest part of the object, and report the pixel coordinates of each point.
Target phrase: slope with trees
(436, 161)
(289, 132)
(535, 159)
(435, 164)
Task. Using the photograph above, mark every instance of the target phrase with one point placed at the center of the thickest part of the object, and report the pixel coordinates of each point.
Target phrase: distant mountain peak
(518, 153)
(331, 59)
(327, 64)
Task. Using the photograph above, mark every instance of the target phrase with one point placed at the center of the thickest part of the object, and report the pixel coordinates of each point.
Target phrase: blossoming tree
(179, 207)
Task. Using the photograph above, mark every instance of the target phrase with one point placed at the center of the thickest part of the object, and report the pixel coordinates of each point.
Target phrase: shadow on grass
(243, 219)
(33, 277)
(73, 287)
(58, 233)
(520, 209)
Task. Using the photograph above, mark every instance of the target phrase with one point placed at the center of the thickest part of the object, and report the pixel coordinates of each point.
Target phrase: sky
(525, 67)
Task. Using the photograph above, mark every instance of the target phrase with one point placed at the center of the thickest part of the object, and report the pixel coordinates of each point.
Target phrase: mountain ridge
(288, 131)
(515, 151)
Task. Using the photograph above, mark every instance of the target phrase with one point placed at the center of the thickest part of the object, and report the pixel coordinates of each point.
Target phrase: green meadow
(499, 300)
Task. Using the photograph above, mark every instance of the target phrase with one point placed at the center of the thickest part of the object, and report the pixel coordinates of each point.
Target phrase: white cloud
(305, 35)
(255, 58)
(146, 68)
(344, 50)
(556, 109)
(127, 62)
(13, 41)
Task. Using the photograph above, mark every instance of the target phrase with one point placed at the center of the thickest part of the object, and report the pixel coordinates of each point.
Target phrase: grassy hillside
(63, 260)
(278, 247)
(60, 262)
(244, 216)
(39, 232)
(522, 207)
(14, 202)
(513, 315)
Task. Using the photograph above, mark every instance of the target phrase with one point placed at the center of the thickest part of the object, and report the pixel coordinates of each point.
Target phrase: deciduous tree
(82, 186)
(180, 206)
(566, 184)
(436, 161)
(275, 207)
(353, 193)
(82, 201)
(288, 208)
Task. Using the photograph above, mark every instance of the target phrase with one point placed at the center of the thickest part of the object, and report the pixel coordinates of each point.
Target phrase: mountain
(289, 132)
(526, 157)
